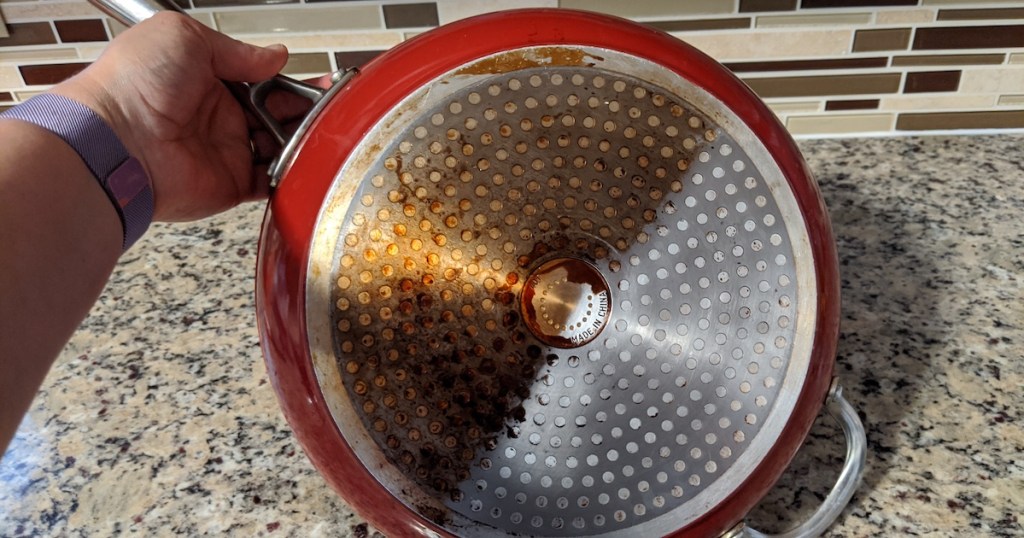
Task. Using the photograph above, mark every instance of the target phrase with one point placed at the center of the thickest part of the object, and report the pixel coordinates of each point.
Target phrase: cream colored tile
(992, 80)
(771, 44)
(836, 19)
(927, 101)
(91, 52)
(904, 16)
(25, 96)
(840, 124)
(10, 77)
(48, 10)
(204, 17)
(453, 10)
(32, 55)
(794, 107)
(645, 9)
(307, 18)
(350, 41)
(1017, 58)
(1011, 100)
(3, 27)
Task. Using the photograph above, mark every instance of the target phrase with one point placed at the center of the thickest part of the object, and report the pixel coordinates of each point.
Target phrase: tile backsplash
(826, 67)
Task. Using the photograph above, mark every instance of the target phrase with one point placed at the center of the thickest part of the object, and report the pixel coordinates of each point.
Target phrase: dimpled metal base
(565, 303)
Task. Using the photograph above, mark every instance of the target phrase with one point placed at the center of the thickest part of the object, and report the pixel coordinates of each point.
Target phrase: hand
(159, 87)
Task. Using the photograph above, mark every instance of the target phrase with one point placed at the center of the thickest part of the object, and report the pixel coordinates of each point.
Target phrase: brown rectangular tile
(949, 59)
(807, 65)
(811, 4)
(931, 81)
(852, 104)
(1009, 119)
(81, 30)
(354, 58)
(307, 63)
(38, 75)
(700, 24)
(28, 33)
(969, 37)
(825, 85)
(886, 39)
(980, 14)
(410, 15)
(220, 3)
(6, 97)
(767, 5)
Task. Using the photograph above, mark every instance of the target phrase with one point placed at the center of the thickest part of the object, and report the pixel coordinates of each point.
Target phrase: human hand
(159, 87)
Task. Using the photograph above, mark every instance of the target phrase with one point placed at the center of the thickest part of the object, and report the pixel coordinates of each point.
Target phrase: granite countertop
(158, 418)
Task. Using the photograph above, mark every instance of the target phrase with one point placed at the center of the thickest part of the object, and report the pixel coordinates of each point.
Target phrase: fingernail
(278, 47)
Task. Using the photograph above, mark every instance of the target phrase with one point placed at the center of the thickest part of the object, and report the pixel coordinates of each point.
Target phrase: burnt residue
(528, 58)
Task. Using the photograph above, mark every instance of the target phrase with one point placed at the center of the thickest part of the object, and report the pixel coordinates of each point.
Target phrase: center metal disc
(565, 303)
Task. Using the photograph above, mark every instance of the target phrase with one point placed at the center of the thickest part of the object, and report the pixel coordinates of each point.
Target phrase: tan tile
(827, 85)
(304, 19)
(651, 8)
(1002, 119)
(305, 42)
(1017, 58)
(3, 27)
(307, 63)
(839, 124)
(887, 39)
(771, 44)
(33, 55)
(949, 59)
(10, 77)
(40, 11)
(904, 16)
(1011, 100)
(794, 107)
(835, 19)
(453, 10)
(992, 80)
(935, 102)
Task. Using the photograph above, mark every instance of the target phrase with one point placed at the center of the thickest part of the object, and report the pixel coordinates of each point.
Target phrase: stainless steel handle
(131, 12)
(846, 484)
(251, 96)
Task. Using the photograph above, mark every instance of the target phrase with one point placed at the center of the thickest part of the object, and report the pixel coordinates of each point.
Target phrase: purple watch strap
(121, 175)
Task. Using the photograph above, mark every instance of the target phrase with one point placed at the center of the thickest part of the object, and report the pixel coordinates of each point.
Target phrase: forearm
(59, 240)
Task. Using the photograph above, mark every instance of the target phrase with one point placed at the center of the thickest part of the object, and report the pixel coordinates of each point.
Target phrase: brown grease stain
(524, 59)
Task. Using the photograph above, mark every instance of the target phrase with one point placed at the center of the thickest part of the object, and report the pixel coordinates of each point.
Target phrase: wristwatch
(121, 176)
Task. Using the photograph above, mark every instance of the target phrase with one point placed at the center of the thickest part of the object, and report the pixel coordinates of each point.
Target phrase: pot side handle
(849, 478)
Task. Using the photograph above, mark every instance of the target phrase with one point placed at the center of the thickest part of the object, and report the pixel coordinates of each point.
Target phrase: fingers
(237, 61)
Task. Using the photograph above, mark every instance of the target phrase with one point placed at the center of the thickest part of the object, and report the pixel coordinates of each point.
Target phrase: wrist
(121, 176)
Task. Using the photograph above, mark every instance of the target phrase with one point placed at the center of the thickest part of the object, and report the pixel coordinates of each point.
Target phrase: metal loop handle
(853, 468)
(252, 96)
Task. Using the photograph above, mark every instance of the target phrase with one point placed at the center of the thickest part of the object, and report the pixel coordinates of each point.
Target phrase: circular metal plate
(477, 185)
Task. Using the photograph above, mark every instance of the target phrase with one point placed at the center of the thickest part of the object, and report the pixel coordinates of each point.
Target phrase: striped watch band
(121, 175)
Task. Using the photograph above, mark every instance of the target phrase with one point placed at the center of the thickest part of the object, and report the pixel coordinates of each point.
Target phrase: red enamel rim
(291, 218)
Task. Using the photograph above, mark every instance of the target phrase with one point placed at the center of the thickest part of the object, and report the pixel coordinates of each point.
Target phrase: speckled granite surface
(158, 418)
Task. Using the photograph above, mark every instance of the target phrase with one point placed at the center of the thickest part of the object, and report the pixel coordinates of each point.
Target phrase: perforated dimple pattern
(454, 217)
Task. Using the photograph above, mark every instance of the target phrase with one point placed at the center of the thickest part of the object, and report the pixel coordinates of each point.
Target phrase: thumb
(241, 62)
